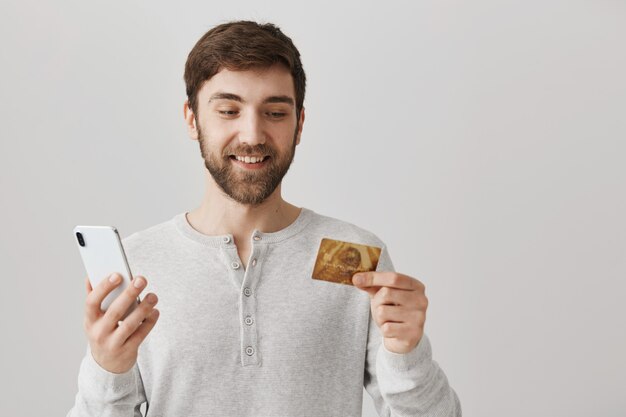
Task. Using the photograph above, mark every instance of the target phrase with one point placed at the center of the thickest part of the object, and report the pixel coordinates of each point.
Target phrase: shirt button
(256, 237)
(249, 351)
(226, 239)
(247, 292)
(254, 262)
(248, 320)
(235, 265)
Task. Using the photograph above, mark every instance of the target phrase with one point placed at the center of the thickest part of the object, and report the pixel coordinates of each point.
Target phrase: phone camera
(81, 241)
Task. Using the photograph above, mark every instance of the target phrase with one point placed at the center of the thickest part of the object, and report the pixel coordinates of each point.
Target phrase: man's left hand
(398, 305)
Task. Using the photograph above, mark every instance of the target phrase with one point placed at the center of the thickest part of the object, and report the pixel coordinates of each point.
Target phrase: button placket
(231, 260)
(249, 348)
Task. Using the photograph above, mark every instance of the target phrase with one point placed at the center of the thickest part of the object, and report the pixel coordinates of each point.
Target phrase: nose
(252, 129)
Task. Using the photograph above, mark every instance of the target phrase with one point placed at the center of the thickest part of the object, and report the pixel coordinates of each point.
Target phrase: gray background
(483, 141)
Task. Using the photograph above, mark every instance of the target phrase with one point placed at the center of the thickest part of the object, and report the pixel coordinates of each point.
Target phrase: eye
(227, 112)
(276, 114)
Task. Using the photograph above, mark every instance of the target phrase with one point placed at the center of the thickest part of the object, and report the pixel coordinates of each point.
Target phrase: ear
(190, 121)
(300, 123)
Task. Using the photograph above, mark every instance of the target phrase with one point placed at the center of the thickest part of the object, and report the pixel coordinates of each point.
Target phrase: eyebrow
(268, 100)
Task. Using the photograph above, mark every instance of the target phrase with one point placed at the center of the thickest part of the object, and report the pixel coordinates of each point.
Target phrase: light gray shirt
(267, 340)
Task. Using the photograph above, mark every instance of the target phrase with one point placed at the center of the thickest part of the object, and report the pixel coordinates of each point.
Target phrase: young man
(243, 329)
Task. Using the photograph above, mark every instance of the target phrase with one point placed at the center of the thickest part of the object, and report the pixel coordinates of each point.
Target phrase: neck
(218, 214)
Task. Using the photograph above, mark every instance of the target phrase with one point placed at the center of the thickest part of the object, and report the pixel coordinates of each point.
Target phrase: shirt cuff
(102, 379)
(405, 361)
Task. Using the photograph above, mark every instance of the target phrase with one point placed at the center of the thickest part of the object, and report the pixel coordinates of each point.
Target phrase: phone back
(102, 254)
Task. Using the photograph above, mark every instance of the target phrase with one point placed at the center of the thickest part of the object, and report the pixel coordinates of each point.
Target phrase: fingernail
(115, 278)
(138, 282)
(358, 279)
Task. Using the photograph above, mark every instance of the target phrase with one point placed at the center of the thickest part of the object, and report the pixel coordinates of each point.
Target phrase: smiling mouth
(249, 160)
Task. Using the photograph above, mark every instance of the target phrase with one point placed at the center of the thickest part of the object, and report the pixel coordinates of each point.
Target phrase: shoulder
(322, 226)
(339, 229)
(150, 237)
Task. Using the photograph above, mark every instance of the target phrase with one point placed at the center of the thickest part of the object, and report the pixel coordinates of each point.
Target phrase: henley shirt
(265, 340)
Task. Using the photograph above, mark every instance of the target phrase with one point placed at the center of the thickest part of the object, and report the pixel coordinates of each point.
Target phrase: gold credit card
(338, 261)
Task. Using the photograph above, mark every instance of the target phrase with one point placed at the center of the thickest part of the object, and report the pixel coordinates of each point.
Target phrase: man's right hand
(115, 347)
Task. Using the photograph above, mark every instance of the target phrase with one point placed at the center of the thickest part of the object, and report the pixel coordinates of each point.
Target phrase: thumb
(360, 282)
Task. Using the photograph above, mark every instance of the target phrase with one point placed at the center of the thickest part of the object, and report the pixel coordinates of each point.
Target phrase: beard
(248, 187)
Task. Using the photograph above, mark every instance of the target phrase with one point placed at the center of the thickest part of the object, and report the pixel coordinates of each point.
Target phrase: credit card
(338, 261)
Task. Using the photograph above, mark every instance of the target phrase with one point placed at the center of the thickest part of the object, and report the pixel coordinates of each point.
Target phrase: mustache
(251, 150)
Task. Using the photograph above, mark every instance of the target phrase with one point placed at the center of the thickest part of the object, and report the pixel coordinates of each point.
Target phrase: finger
(94, 299)
(142, 331)
(88, 285)
(392, 296)
(130, 324)
(371, 291)
(122, 303)
(397, 314)
(386, 279)
(386, 313)
(390, 329)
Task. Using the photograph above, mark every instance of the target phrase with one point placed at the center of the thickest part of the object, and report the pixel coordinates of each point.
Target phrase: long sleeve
(409, 384)
(102, 393)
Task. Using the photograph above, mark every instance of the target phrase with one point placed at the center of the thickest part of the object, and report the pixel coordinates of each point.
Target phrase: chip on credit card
(338, 261)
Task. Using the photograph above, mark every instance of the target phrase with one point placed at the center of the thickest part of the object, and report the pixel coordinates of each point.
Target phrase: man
(243, 329)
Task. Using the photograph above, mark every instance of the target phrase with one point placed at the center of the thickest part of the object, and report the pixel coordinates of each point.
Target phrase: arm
(102, 393)
(109, 382)
(408, 383)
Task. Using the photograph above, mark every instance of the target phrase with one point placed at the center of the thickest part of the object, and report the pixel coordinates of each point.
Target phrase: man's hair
(238, 46)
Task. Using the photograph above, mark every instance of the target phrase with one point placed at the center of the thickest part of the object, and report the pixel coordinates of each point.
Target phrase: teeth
(249, 160)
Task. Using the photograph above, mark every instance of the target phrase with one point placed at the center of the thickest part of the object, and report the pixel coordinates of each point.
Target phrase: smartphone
(102, 253)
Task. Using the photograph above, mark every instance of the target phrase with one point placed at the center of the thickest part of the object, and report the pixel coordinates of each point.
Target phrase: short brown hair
(238, 46)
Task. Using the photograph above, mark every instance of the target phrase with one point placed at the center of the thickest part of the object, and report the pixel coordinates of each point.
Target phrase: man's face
(245, 114)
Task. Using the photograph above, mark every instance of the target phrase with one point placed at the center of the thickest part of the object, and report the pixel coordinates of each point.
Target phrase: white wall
(483, 141)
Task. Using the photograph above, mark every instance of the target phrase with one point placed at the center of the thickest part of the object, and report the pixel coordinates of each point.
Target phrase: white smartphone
(102, 253)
